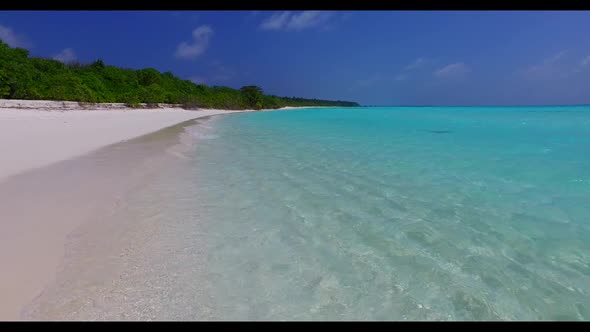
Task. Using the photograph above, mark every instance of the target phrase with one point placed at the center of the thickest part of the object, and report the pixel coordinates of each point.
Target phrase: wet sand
(50, 185)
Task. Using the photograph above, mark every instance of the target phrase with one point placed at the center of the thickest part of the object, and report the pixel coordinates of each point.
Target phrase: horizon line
(507, 105)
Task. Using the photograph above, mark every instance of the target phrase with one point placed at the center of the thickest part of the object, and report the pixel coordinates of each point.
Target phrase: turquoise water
(352, 214)
(397, 213)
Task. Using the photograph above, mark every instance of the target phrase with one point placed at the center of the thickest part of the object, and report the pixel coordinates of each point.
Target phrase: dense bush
(24, 77)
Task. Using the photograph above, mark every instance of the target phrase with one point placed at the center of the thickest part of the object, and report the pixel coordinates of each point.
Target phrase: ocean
(402, 213)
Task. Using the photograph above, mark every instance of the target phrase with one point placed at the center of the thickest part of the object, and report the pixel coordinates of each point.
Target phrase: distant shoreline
(59, 105)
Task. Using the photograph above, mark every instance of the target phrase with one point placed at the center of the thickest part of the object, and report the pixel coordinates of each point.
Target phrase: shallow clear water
(363, 214)
(398, 213)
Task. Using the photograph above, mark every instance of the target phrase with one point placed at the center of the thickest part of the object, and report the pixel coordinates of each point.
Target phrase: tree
(4, 85)
(148, 76)
(152, 94)
(26, 77)
(97, 65)
(253, 96)
(21, 52)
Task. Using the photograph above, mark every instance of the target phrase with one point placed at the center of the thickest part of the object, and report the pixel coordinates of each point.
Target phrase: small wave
(177, 154)
(204, 136)
(202, 131)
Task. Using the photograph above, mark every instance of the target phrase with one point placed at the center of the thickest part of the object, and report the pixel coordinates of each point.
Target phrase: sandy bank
(55, 176)
(36, 137)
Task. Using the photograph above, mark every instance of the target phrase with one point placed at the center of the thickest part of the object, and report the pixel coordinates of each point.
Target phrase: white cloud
(12, 39)
(420, 62)
(452, 70)
(197, 46)
(197, 79)
(585, 62)
(556, 57)
(299, 21)
(405, 73)
(549, 67)
(276, 21)
(307, 19)
(65, 56)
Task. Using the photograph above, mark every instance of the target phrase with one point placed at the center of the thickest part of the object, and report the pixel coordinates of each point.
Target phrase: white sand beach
(41, 204)
(32, 138)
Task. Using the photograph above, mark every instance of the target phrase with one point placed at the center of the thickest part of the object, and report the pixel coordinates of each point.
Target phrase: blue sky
(373, 57)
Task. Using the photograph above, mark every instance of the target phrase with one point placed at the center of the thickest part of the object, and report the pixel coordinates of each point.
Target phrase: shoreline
(37, 133)
(61, 167)
(43, 207)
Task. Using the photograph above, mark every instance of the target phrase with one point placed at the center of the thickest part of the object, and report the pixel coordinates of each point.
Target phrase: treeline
(25, 77)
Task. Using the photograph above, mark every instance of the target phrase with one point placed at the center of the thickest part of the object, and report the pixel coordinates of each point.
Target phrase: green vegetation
(24, 77)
